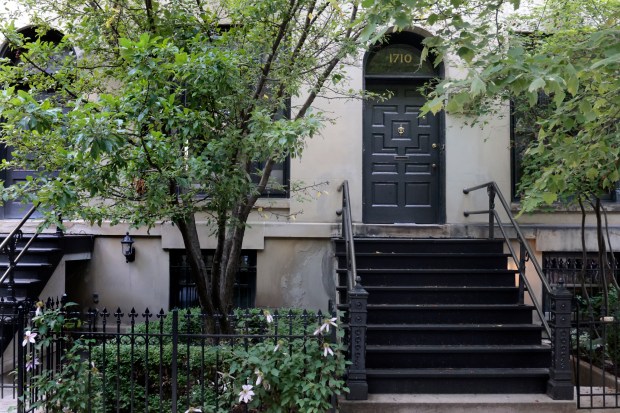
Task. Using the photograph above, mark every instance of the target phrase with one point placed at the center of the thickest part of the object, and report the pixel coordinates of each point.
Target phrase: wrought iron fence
(9, 325)
(595, 344)
(595, 321)
(164, 362)
(582, 277)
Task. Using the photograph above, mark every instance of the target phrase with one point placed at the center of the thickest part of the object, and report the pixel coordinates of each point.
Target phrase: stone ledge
(457, 403)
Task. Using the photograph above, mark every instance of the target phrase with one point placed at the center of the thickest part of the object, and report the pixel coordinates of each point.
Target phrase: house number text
(400, 58)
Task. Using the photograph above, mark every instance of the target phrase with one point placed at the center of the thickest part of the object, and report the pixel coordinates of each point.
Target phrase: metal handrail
(492, 190)
(10, 237)
(347, 234)
(19, 226)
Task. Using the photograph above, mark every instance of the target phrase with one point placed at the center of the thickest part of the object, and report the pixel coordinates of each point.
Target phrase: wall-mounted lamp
(128, 250)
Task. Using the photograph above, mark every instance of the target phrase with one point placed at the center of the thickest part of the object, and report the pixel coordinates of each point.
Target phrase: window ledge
(273, 203)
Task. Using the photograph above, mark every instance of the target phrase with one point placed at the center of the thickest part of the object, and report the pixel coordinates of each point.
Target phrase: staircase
(444, 317)
(31, 274)
(38, 264)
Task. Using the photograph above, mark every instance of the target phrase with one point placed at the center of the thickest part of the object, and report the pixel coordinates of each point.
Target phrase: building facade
(406, 175)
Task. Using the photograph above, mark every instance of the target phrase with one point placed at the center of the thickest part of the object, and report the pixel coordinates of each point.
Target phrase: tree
(568, 52)
(170, 109)
(174, 108)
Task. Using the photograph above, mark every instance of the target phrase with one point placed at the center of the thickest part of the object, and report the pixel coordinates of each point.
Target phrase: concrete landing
(8, 404)
(458, 403)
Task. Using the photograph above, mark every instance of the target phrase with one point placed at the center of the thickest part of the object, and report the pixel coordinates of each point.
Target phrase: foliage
(73, 388)
(296, 371)
(168, 109)
(297, 375)
(569, 51)
(137, 375)
(275, 375)
(599, 341)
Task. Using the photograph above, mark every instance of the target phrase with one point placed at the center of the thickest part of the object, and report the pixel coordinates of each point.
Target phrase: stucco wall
(295, 273)
(144, 283)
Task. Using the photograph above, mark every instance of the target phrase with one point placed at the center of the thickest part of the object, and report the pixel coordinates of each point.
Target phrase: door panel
(15, 209)
(401, 158)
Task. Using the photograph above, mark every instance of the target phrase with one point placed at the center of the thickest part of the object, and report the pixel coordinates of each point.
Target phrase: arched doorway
(403, 168)
(13, 209)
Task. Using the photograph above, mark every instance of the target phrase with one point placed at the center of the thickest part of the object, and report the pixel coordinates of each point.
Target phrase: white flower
(193, 410)
(325, 326)
(28, 338)
(39, 311)
(259, 376)
(246, 393)
(32, 364)
(268, 316)
(327, 350)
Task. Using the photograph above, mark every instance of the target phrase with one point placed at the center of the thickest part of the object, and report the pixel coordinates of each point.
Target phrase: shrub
(300, 375)
(76, 386)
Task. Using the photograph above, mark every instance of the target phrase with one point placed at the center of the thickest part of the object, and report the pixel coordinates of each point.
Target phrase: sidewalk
(6, 403)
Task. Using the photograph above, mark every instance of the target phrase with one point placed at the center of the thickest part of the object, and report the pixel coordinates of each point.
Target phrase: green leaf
(181, 58)
(610, 60)
(435, 105)
(549, 197)
(466, 53)
(538, 83)
(424, 54)
(592, 173)
(585, 107)
(478, 87)
(572, 85)
(402, 20)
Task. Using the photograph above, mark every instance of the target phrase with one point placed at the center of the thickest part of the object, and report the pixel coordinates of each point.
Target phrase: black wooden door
(14, 209)
(401, 158)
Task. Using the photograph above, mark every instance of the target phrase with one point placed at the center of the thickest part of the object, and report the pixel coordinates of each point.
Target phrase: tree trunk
(199, 270)
(602, 257)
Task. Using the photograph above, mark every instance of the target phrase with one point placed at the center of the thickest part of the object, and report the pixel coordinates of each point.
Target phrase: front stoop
(457, 403)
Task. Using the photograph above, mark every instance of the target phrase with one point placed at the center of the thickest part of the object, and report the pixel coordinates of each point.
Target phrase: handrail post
(9, 249)
(522, 259)
(560, 385)
(21, 312)
(491, 193)
(356, 377)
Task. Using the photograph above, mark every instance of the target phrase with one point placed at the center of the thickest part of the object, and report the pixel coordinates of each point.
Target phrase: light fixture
(128, 250)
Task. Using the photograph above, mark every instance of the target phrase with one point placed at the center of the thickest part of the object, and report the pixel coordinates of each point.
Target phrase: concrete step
(459, 261)
(457, 403)
(425, 245)
(458, 381)
(432, 277)
(449, 314)
(438, 294)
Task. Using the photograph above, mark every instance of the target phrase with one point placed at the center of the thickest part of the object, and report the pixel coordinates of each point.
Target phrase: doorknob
(434, 165)
(434, 146)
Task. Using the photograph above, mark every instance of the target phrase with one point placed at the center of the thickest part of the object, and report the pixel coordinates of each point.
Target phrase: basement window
(183, 289)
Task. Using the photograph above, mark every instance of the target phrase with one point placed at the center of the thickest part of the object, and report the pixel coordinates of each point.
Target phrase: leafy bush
(275, 356)
(76, 387)
(600, 344)
(136, 374)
